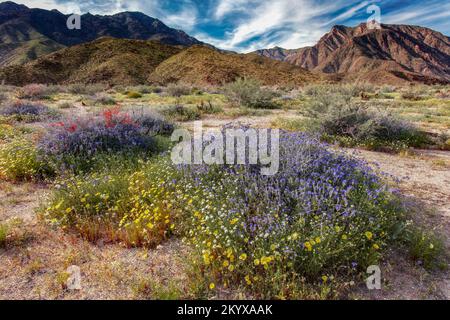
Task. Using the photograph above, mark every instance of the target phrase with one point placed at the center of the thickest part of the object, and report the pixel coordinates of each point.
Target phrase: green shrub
(178, 90)
(65, 105)
(6, 132)
(181, 113)
(412, 95)
(208, 108)
(103, 99)
(36, 92)
(350, 90)
(146, 89)
(85, 89)
(357, 124)
(4, 232)
(134, 95)
(20, 160)
(118, 203)
(249, 93)
(425, 247)
(10, 233)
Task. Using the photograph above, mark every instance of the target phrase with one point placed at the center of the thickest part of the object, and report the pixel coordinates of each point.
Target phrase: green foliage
(85, 89)
(178, 90)
(4, 232)
(249, 93)
(133, 95)
(20, 160)
(357, 124)
(182, 113)
(36, 92)
(118, 203)
(425, 247)
(103, 99)
(412, 95)
(10, 233)
(346, 90)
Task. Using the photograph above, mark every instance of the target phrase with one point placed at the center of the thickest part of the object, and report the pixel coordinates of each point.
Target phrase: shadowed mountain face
(392, 54)
(26, 34)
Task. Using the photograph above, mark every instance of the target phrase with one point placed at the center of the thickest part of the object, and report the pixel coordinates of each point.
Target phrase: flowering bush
(27, 111)
(322, 215)
(114, 131)
(134, 207)
(20, 160)
(36, 91)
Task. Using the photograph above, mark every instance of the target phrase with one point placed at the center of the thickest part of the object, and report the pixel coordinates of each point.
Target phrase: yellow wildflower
(308, 246)
(243, 257)
(369, 235)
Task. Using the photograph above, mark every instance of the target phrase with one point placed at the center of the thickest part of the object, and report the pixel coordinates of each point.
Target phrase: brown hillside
(392, 54)
(202, 65)
(107, 60)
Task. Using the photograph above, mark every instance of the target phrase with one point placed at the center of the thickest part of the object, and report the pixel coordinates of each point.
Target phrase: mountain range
(133, 48)
(392, 54)
(26, 34)
(131, 62)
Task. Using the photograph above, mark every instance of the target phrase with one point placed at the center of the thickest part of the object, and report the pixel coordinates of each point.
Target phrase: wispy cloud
(246, 25)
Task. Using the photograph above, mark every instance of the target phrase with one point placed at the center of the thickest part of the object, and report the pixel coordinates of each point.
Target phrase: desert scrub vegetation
(11, 233)
(36, 92)
(133, 95)
(323, 218)
(20, 160)
(82, 144)
(72, 144)
(103, 99)
(338, 117)
(178, 90)
(249, 93)
(181, 113)
(85, 89)
(184, 113)
(26, 111)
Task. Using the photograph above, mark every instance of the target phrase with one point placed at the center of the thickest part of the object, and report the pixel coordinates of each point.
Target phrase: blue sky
(247, 25)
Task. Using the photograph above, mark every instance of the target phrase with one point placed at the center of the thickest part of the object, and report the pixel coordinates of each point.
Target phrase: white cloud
(287, 23)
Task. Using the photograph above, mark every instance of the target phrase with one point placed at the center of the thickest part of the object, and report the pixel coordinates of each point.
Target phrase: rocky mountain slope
(202, 65)
(392, 54)
(129, 62)
(26, 34)
(105, 60)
